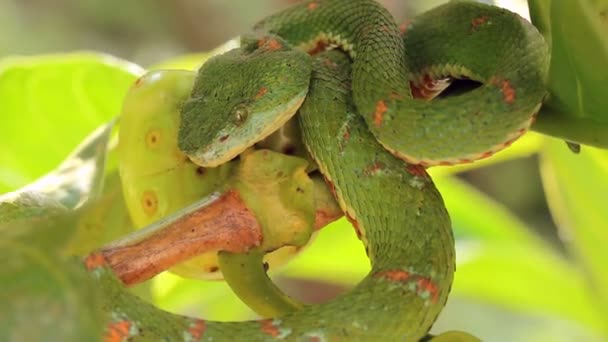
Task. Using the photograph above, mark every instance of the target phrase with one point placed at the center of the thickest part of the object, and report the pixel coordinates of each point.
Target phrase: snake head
(241, 97)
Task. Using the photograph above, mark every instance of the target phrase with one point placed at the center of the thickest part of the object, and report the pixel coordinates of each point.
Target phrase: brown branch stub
(224, 224)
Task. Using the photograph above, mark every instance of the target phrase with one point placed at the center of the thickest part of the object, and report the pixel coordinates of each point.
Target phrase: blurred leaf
(578, 79)
(475, 216)
(80, 177)
(35, 219)
(210, 299)
(49, 104)
(499, 324)
(500, 261)
(455, 336)
(44, 297)
(576, 188)
(104, 221)
(38, 213)
(527, 280)
(336, 256)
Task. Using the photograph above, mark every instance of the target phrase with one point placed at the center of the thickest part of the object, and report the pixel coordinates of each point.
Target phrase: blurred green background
(148, 32)
(516, 279)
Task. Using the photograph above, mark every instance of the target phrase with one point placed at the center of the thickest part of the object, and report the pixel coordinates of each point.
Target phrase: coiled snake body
(372, 146)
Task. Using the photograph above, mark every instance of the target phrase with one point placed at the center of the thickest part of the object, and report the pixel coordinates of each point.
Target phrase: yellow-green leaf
(576, 188)
(49, 104)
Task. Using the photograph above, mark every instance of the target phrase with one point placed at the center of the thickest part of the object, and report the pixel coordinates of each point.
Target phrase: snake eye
(240, 114)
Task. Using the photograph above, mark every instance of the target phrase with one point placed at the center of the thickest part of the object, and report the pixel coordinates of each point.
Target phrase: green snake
(371, 139)
(468, 40)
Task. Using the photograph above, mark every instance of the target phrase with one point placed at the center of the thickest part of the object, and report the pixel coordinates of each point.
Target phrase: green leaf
(49, 104)
(475, 216)
(578, 79)
(105, 220)
(494, 323)
(210, 299)
(335, 255)
(39, 213)
(44, 297)
(500, 260)
(576, 188)
(526, 280)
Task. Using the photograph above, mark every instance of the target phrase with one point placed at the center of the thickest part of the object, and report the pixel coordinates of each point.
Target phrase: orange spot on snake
(331, 186)
(423, 284)
(404, 27)
(374, 168)
(509, 142)
(426, 284)
(269, 44)
(381, 108)
(417, 92)
(507, 90)
(261, 92)
(416, 170)
(328, 62)
(117, 331)
(319, 47)
(476, 22)
(312, 6)
(197, 329)
(394, 275)
(94, 260)
(346, 135)
(274, 44)
(486, 154)
(269, 328)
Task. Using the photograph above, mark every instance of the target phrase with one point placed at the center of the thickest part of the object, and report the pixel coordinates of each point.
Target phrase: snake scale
(371, 139)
